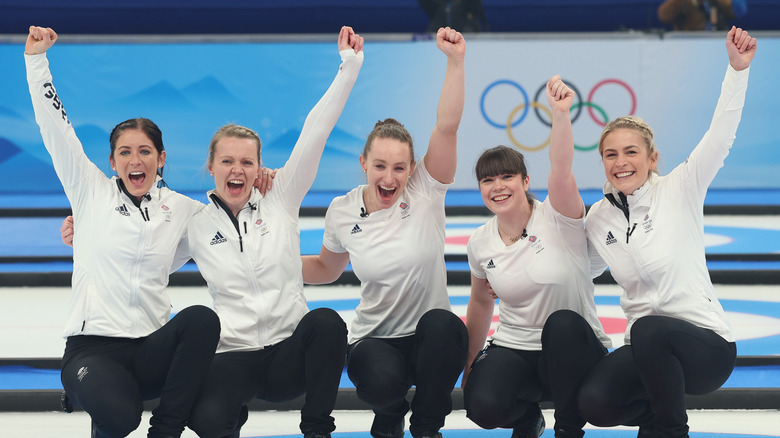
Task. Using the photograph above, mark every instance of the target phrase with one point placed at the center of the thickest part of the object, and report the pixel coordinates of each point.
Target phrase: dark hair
(147, 126)
(502, 160)
(389, 128)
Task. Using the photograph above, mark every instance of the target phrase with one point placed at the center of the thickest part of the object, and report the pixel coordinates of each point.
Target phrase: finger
(458, 37)
(550, 83)
(557, 88)
(359, 44)
(52, 34)
(440, 34)
(37, 33)
(343, 40)
(731, 36)
(746, 41)
(741, 38)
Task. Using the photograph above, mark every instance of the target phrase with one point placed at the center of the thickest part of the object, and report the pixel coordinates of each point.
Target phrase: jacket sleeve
(297, 175)
(709, 155)
(71, 164)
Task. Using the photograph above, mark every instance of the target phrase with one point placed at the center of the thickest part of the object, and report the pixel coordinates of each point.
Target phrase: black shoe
(316, 435)
(430, 435)
(535, 431)
(562, 433)
(242, 417)
(382, 429)
(645, 431)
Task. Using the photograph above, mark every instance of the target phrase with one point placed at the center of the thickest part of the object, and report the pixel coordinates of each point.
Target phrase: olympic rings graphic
(500, 82)
(537, 106)
(577, 95)
(539, 109)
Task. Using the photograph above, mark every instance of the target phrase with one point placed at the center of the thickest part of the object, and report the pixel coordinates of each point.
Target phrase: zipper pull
(630, 231)
(240, 243)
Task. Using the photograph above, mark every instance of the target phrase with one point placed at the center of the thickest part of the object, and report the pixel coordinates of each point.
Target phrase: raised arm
(324, 268)
(297, 175)
(709, 155)
(479, 314)
(71, 164)
(563, 193)
(441, 158)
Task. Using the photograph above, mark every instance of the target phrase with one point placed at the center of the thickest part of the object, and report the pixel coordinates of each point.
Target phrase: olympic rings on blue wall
(576, 110)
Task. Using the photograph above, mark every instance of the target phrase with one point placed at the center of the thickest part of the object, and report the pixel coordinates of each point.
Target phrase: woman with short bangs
(533, 256)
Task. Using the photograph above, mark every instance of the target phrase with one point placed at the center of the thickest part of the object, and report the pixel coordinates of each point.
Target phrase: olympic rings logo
(520, 112)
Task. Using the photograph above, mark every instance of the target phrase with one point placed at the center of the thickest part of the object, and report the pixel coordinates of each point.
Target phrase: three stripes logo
(490, 264)
(356, 229)
(122, 209)
(610, 238)
(218, 238)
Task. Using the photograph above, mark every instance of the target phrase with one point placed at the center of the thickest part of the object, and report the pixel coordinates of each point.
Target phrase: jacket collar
(618, 199)
(153, 193)
(215, 201)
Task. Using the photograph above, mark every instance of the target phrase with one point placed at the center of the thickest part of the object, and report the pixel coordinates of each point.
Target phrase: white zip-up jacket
(661, 265)
(253, 265)
(122, 253)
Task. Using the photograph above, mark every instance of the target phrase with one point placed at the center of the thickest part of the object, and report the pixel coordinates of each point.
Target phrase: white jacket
(661, 266)
(121, 256)
(253, 266)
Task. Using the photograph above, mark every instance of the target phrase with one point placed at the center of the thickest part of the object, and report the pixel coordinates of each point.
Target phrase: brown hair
(502, 160)
(147, 126)
(389, 128)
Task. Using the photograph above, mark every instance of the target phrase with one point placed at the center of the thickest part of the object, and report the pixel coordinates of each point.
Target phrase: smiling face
(235, 166)
(504, 193)
(627, 159)
(136, 161)
(388, 165)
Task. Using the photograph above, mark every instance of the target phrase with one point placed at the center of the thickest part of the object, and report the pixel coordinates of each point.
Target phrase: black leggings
(504, 388)
(310, 361)
(111, 377)
(645, 383)
(384, 369)
(570, 349)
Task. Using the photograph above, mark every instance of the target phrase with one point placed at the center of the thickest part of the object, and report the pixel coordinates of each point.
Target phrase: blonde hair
(634, 123)
(236, 131)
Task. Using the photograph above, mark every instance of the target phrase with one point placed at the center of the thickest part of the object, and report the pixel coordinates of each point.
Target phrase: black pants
(645, 383)
(383, 370)
(570, 349)
(505, 387)
(310, 361)
(111, 377)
